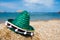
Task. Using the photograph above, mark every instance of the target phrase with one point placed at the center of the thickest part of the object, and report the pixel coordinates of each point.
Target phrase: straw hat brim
(18, 30)
(31, 29)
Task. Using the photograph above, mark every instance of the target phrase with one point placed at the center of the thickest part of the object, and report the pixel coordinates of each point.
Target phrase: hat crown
(22, 20)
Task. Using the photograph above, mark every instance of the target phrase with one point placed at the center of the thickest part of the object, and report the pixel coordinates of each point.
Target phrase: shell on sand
(44, 30)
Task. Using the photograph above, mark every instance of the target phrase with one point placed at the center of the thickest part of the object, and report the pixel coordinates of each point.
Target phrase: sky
(30, 5)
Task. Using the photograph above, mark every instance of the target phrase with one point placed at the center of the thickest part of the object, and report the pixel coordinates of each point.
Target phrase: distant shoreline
(2, 21)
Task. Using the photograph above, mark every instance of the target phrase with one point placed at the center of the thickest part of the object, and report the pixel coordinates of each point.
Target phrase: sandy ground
(44, 30)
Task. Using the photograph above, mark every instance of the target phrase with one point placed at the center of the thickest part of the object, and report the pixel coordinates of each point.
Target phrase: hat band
(9, 25)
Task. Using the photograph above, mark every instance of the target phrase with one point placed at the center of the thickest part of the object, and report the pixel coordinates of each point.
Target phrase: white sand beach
(44, 30)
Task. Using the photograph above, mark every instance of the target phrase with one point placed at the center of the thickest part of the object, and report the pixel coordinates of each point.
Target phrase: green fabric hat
(22, 21)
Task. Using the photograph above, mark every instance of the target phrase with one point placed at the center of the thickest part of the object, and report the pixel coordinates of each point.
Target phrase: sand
(44, 30)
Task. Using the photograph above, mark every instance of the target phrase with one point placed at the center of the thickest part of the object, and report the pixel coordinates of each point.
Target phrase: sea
(33, 15)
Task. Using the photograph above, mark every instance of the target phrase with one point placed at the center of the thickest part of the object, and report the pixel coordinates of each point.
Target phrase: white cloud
(33, 5)
(47, 3)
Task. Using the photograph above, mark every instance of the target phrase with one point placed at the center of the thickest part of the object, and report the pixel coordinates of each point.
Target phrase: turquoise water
(34, 16)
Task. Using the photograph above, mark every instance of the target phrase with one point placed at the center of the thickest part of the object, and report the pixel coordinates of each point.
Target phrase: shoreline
(30, 20)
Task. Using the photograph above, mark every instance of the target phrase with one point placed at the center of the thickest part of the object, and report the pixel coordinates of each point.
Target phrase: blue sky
(30, 5)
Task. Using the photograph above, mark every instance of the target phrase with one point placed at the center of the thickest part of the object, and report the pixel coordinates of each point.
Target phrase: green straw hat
(22, 22)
